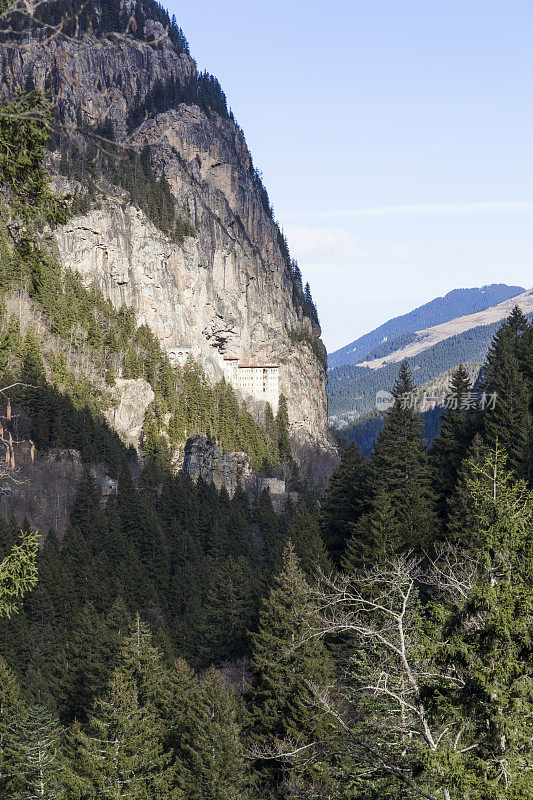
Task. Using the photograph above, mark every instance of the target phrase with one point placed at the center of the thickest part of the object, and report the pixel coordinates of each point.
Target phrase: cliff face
(203, 459)
(227, 289)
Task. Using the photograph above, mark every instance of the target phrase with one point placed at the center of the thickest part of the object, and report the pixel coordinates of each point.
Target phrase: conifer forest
(369, 637)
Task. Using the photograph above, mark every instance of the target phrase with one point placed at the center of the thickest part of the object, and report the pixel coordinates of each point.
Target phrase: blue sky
(395, 139)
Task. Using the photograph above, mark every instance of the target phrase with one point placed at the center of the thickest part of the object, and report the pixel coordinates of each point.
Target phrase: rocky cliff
(227, 289)
(203, 459)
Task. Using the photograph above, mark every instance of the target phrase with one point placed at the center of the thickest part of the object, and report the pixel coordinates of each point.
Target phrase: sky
(395, 139)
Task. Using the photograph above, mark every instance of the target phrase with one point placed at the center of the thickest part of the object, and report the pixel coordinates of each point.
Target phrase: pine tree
(281, 699)
(35, 762)
(142, 663)
(269, 525)
(345, 501)
(205, 736)
(12, 711)
(18, 573)
(450, 446)
(375, 536)
(305, 535)
(400, 467)
(91, 653)
(504, 378)
(489, 638)
(229, 611)
(282, 424)
(121, 753)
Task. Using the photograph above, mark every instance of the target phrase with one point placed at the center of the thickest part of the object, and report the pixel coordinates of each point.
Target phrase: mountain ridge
(173, 218)
(436, 311)
(429, 337)
(352, 387)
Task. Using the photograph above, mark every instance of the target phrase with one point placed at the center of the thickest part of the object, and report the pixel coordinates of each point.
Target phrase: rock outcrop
(228, 289)
(130, 399)
(203, 459)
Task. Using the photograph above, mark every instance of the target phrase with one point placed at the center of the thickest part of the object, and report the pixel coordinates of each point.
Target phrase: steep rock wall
(227, 289)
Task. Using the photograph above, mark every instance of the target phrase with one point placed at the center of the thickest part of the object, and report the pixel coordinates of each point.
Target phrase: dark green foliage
(375, 536)
(363, 431)
(188, 559)
(400, 468)
(121, 754)
(190, 565)
(506, 376)
(309, 306)
(168, 568)
(18, 572)
(12, 711)
(282, 429)
(202, 90)
(488, 636)
(204, 735)
(25, 124)
(451, 445)
(385, 504)
(305, 535)
(34, 762)
(345, 501)
(281, 698)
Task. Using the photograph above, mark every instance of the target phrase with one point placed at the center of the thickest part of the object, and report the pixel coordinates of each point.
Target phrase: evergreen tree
(34, 760)
(400, 468)
(282, 424)
(18, 574)
(269, 526)
(25, 126)
(450, 446)
(205, 736)
(121, 753)
(305, 535)
(229, 611)
(344, 502)
(12, 711)
(489, 637)
(375, 536)
(91, 654)
(505, 383)
(142, 663)
(281, 699)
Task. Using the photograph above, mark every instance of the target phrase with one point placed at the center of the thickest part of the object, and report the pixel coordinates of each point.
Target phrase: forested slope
(174, 643)
(352, 389)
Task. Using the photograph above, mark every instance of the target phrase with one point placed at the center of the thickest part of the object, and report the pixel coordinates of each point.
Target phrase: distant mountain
(364, 429)
(457, 303)
(352, 387)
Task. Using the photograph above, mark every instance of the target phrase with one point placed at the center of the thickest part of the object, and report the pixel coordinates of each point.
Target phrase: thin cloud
(423, 210)
(335, 250)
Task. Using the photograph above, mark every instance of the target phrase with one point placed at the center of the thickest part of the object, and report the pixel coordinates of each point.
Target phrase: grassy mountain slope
(456, 303)
(423, 340)
(352, 388)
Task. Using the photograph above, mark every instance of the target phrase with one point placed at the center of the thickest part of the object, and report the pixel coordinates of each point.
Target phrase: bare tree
(8, 466)
(387, 724)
